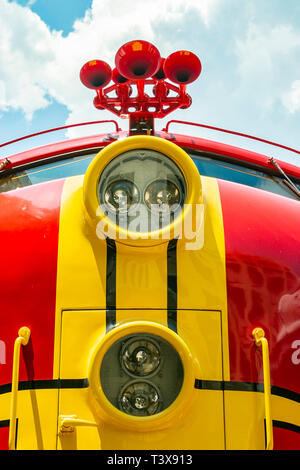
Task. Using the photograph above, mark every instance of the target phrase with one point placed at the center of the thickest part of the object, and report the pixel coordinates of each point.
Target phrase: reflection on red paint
(29, 238)
(262, 240)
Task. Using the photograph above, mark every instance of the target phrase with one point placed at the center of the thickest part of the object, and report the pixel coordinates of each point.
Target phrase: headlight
(140, 357)
(139, 399)
(163, 196)
(145, 187)
(120, 195)
(141, 374)
(143, 191)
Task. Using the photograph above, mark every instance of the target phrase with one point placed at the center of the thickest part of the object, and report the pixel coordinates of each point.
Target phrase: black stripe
(288, 426)
(46, 384)
(172, 284)
(4, 423)
(209, 384)
(199, 384)
(245, 387)
(111, 259)
(282, 392)
(16, 436)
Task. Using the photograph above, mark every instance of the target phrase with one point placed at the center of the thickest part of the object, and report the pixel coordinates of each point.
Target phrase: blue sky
(249, 49)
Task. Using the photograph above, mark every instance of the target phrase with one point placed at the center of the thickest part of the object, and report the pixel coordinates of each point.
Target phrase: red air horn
(118, 78)
(123, 90)
(137, 60)
(139, 64)
(95, 74)
(182, 67)
(160, 74)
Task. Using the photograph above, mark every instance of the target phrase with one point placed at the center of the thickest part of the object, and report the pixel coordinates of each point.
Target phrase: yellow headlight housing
(182, 186)
(122, 415)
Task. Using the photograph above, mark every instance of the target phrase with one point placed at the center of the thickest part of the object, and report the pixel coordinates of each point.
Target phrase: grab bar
(260, 340)
(23, 338)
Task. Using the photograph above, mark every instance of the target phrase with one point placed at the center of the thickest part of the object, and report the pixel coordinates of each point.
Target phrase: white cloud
(38, 65)
(267, 57)
(105, 27)
(291, 98)
(23, 37)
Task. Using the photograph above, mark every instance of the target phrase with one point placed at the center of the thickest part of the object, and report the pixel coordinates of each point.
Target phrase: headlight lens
(140, 357)
(141, 374)
(146, 186)
(163, 196)
(121, 195)
(139, 399)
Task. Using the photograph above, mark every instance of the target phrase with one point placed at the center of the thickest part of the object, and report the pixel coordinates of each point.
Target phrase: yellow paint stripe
(245, 415)
(141, 278)
(142, 283)
(81, 264)
(283, 409)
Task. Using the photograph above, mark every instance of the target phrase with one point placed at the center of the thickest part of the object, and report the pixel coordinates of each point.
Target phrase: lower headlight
(139, 399)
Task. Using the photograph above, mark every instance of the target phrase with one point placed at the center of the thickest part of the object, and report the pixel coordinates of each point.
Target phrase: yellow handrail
(260, 340)
(23, 338)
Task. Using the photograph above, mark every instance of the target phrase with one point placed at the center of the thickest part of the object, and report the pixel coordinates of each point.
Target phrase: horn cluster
(138, 64)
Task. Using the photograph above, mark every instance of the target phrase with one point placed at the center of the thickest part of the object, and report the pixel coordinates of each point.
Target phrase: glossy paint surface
(29, 238)
(129, 284)
(53, 264)
(262, 239)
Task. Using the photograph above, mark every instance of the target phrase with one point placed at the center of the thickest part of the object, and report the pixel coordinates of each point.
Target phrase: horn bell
(182, 67)
(95, 74)
(118, 78)
(137, 60)
(160, 74)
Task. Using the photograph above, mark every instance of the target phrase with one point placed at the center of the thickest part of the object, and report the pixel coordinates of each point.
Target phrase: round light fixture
(140, 190)
(145, 187)
(142, 376)
(140, 356)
